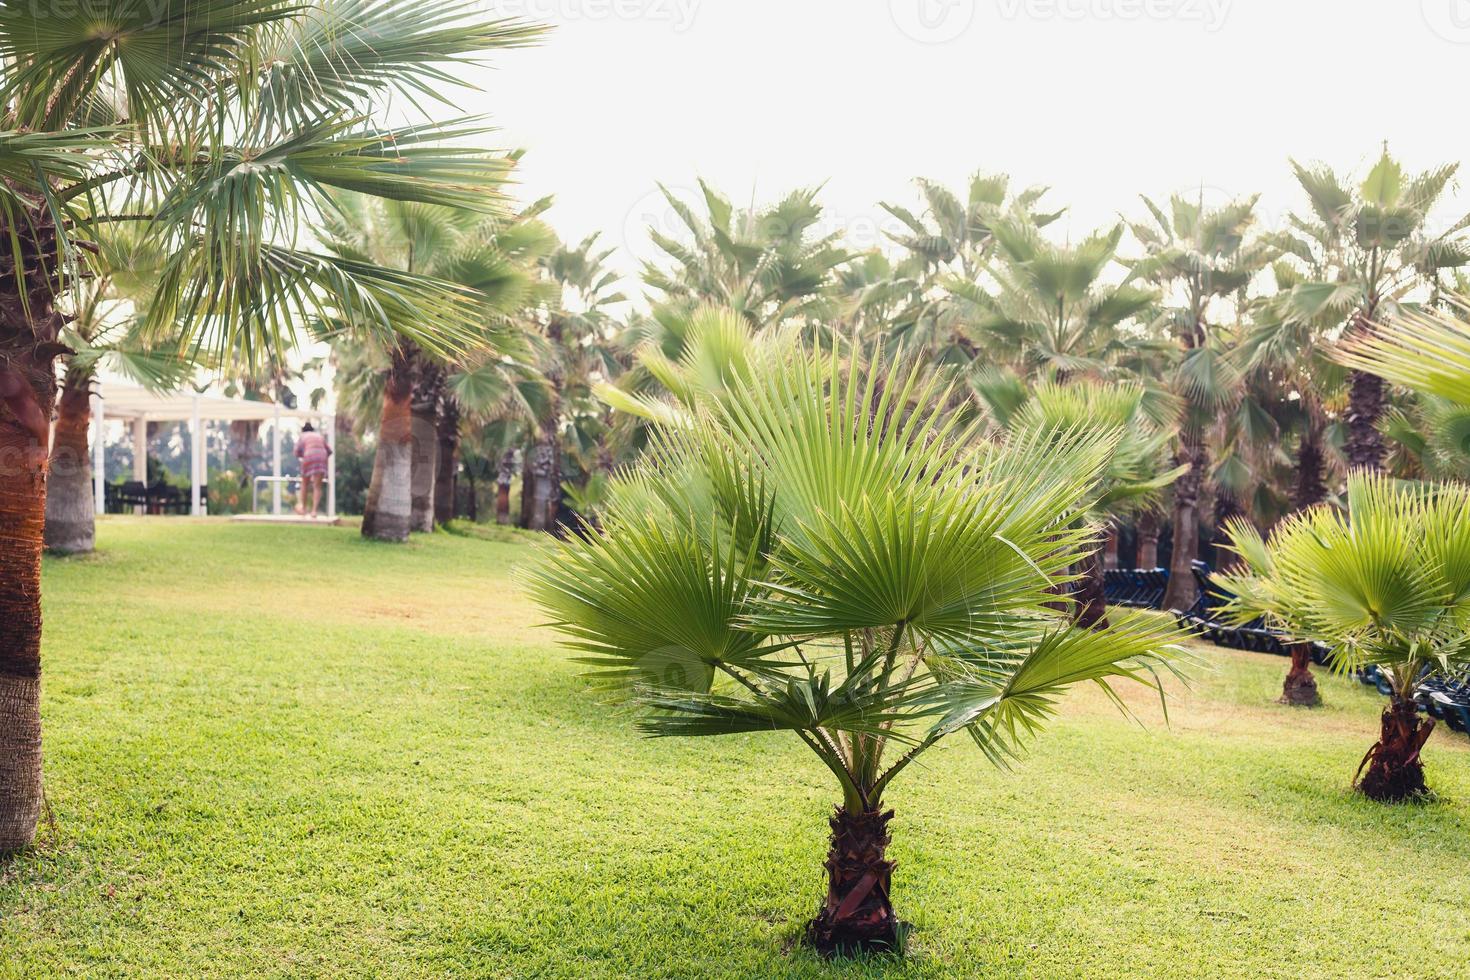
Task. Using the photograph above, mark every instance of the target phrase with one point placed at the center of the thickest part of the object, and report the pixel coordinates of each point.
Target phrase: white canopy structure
(139, 406)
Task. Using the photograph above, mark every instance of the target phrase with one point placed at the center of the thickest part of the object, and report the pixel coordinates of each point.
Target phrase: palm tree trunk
(528, 487)
(425, 443)
(1182, 590)
(29, 328)
(544, 501)
(446, 481)
(546, 461)
(386, 515)
(1148, 540)
(1311, 487)
(245, 448)
(503, 477)
(1395, 772)
(70, 502)
(1091, 599)
(857, 915)
(1365, 408)
(1365, 403)
(1300, 687)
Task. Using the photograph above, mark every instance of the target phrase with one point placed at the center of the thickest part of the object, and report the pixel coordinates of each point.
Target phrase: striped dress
(312, 450)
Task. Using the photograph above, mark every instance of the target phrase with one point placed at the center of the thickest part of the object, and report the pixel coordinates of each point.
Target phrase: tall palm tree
(771, 264)
(216, 126)
(1054, 312)
(801, 554)
(577, 355)
(1385, 583)
(1290, 352)
(493, 255)
(102, 335)
(1374, 243)
(949, 241)
(1200, 258)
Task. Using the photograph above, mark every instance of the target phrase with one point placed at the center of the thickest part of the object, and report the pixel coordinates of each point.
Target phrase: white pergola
(139, 406)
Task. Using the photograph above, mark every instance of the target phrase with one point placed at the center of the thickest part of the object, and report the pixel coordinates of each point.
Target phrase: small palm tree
(831, 553)
(1385, 584)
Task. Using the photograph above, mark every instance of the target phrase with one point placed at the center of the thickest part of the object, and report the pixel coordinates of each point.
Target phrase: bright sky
(1099, 99)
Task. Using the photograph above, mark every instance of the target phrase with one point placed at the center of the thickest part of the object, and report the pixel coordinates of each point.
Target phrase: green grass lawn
(279, 751)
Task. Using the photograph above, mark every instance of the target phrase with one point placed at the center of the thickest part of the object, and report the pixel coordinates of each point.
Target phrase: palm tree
(215, 126)
(1373, 243)
(951, 241)
(577, 355)
(1054, 312)
(103, 334)
(769, 264)
(1385, 584)
(1199, 257)
(493, 255)
(1290, 353)
(800, 553)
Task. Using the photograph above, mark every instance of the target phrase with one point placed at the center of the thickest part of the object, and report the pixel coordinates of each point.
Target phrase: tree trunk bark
(1092, 600)
(546, 496)
(1311, 485)
(1365, 408)
(528, 486)
(503, 477)
(70, 502)
(1365, 403)
(389, 504)
(546, 458)
(446, 481)
(1300, 687)
(1110, 548)
(1148, 540)
(425, 443)
(29, 329)
(1395, 772)
(1182, 590)
(857, 915)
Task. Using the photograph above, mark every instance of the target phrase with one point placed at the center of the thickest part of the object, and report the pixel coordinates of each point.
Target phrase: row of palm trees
(1227, 328)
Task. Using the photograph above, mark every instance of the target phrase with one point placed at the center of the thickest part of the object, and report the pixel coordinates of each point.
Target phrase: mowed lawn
(285, 752)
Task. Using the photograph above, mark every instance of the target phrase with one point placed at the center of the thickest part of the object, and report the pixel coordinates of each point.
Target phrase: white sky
(1099, 99)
